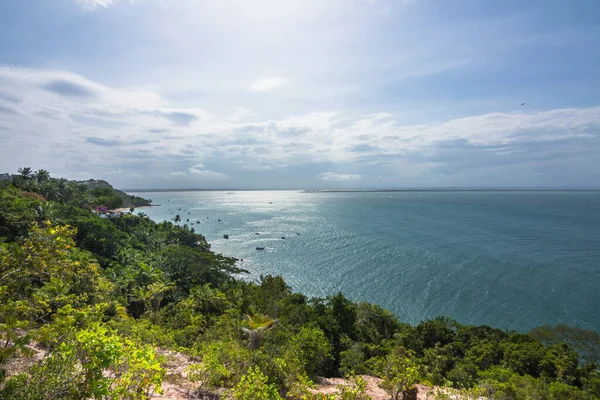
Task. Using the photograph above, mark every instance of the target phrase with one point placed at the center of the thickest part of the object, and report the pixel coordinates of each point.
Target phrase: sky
(303, 94)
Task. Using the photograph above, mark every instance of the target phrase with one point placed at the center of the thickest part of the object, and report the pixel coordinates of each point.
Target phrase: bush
(97, 364)
(254, 386)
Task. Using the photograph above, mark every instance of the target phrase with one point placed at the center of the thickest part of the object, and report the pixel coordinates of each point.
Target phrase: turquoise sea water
(507, 259)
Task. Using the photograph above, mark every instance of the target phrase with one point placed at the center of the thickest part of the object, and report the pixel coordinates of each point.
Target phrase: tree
(156, 292)
(42, 176)
(208, 300)
(24, 179)
(399, 373)
(49, 190)
(312, 349)
(436, 331)
(585, 342)
(25, 172)
(177, 218)
(256, 326)
(16, 213)
(523, 355)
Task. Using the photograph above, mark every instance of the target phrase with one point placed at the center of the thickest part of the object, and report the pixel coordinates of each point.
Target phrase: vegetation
(101, 295)
(90, 193)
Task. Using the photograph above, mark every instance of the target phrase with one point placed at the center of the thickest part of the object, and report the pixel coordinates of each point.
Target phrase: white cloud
(97, 4)
(336, 176)
(241, 113)
(265, 84)
(71, 125)
(199, 170)
(93, 4)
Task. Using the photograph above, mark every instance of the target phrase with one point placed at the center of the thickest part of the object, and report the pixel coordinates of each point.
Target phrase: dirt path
(175, 386)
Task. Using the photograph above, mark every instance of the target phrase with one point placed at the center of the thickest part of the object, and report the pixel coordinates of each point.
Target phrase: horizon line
(413, 189)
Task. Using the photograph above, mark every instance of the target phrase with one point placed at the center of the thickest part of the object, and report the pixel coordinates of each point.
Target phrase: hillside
(122, 308)
(100, 186)
(86, 194)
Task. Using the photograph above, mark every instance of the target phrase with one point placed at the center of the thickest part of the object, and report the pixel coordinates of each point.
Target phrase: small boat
(225, 236)
(283, 237)
(257, 233)
(260, 248)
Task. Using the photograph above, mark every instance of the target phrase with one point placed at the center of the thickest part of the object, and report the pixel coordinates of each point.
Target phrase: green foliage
(54, 378)
(463, 375)
(189, 266)
(310, 346)
(356, 389)
(399, 373)
(437, 362)
(16, 213)
(143, 331)
(585, 342)
(105, 197)
(352, 359)
(223, 364)
(95, 364)
(254, 386)
(434, 332)
(523, 355)
(374, 324)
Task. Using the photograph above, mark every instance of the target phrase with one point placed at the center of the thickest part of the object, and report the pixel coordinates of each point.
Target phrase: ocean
(512, 260)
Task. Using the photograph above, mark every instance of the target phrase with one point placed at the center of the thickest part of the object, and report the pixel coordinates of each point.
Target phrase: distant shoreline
(365, 191)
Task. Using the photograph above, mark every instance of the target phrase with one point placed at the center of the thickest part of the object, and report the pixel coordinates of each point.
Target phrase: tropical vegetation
(101, 296)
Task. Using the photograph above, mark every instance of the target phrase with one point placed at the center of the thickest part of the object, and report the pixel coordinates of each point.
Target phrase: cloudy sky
(303, 93)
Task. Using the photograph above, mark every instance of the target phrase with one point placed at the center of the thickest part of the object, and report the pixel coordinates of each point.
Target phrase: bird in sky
(522, 104)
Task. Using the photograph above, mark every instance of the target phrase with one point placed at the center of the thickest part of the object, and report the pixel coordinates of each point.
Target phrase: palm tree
(141, 296)
(156, 292)
(208, 300)
(42, 175)
(177, 218)
(24, 180)
(25, 172)
(49, 190)
(257, 325)
(65, 191)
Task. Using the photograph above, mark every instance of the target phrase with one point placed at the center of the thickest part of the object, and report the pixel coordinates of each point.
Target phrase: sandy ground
(20, 363)
(330, 386)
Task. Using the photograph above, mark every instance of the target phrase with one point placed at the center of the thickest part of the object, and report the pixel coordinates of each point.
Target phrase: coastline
(126, 209)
